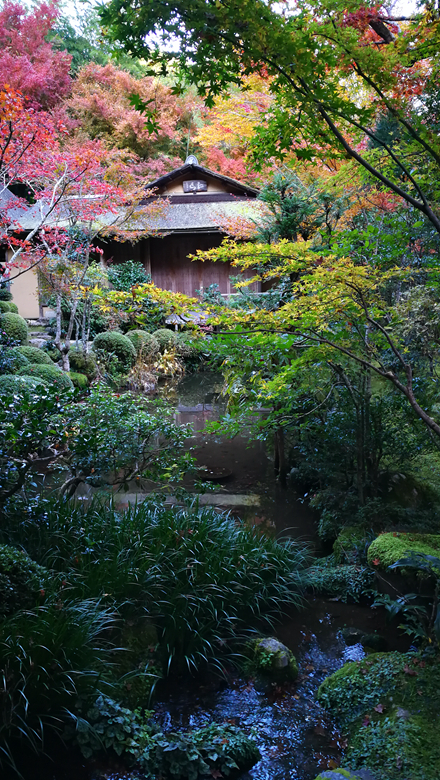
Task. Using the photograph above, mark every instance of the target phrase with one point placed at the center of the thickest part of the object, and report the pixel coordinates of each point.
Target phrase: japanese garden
(219, 390)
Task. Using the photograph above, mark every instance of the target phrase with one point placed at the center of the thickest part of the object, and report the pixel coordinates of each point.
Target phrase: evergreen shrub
(4, 307)
(14, 326)
(51, 375)
(35, 355)
(11, 384)
(13, 307)
(21, 581)
(143, 342)
(113, 343)
(82, 363)
(11, 360)
(166, 339)
(5, 294)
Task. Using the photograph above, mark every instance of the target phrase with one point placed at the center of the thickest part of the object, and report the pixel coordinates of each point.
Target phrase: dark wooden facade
(190, 222)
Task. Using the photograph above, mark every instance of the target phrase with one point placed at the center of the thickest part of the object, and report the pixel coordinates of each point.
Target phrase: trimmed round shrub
(21, 580)
(11, 360)
(5, 294)
(34, 355)
(143, 342)
(114, 343)
(51, 375)
(166, 339)
(11, 384)
(79, 380)
(186, 346)
(14, 326)
(4, 307)
(83, 364)
(13, 307)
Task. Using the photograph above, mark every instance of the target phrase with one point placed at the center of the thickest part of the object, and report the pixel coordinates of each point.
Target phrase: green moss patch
(389, 705)
(348, 582)
(389, 548)
(349, 543)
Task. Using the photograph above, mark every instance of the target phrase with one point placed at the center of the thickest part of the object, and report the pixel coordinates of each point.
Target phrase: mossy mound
(35, 355)
(82, 363)
(51, 375)
(390, 547)
(112, 343)
(78, 380)
(272, 659)
(11, 384)
(348, 582)
(349, 543)
(338, 774)
(166, 339)
(11, 360)
(22, 581)
(14, 326)
(389, 705)
(144, 343)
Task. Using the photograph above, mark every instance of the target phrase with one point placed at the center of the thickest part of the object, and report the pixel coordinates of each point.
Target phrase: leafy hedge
(13, 384)
(113, 343)
(35, 355)
(51, 375)
(14, 326)
(11, 360)
(22, 580)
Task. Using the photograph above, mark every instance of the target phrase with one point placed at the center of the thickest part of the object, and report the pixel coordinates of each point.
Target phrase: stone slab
(223, 500)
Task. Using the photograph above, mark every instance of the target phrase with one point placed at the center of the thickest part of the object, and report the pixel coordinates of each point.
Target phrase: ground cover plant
(201, 577)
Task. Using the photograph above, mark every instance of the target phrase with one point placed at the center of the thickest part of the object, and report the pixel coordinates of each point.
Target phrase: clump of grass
(49, 657)
(202, 577)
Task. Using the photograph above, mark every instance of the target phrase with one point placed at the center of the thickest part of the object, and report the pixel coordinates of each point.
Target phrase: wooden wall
(167, 261)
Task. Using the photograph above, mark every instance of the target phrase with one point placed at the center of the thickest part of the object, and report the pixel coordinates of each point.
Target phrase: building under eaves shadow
(197, 203)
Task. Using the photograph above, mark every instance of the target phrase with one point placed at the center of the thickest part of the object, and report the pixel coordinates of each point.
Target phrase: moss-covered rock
(51, 375)
(35, 355)
(390, 547)
(389, 705)
(270, 658)
(78, 380)
(348, 544)
(166, 339)
(144, 343)
(82, 363)
(14, 326)
(22, 581)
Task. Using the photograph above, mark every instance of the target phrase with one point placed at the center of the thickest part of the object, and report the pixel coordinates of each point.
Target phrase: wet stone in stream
(295, 736)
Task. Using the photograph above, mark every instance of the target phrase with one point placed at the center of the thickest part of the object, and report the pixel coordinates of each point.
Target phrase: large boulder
(269, 657)
(388, 548)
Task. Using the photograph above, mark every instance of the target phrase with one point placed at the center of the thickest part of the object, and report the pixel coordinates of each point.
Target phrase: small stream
(295, 736)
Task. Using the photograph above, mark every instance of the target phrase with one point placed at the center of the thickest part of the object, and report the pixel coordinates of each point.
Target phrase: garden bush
(113, 343)
(351, 545)
(51, 375)
(22, 581)
(204, 577)
(11, 360)
(4, 307)
(35, 355)
(13, 307)
(15, 326)
(347, 582)
(166, 339)
(83, 363)
(5, 294)
(13, 384)
(123, 276)
(388, 548)
(144, 343)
